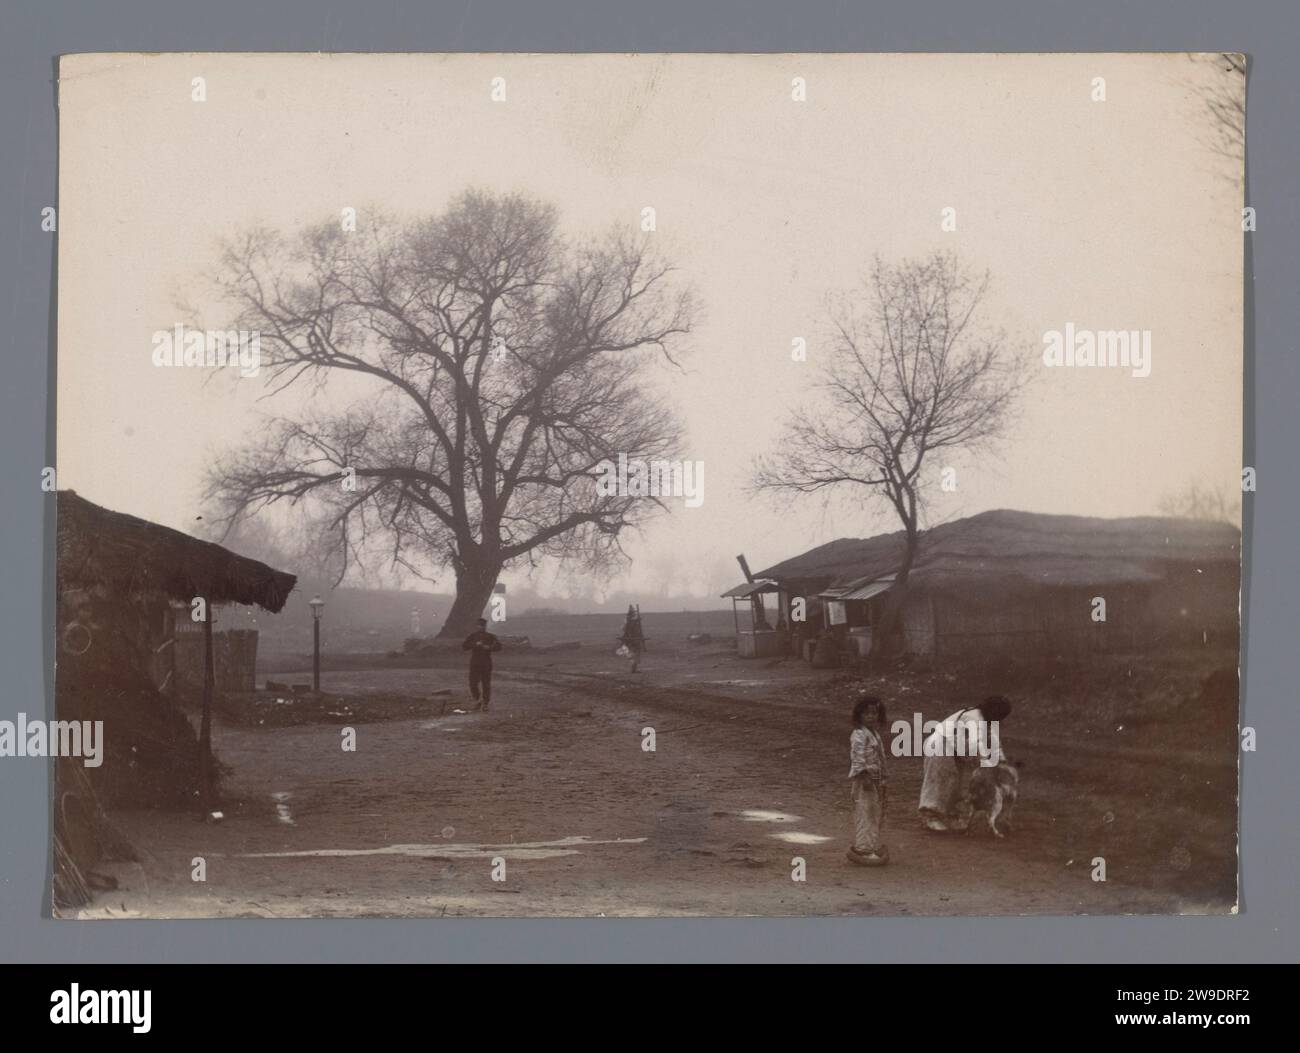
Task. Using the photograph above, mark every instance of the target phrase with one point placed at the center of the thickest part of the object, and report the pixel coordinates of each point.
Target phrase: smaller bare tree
(910, 373)
(1222, 87)
(1195, 501)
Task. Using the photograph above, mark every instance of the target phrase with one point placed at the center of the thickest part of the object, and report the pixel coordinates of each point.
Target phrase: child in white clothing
(868, 782)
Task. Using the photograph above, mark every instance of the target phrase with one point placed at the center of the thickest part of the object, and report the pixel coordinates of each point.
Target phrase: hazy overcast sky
(1108, 215)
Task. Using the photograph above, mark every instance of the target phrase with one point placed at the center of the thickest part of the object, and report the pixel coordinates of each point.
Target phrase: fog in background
(1110, 215)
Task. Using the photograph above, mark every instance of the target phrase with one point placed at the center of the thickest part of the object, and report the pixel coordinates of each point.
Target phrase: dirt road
(746, 778)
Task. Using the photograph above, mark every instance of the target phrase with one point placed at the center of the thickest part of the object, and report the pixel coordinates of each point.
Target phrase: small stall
(853, 608)
(766, 635)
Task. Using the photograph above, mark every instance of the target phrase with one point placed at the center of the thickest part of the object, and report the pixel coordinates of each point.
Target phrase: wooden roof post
(205, 724)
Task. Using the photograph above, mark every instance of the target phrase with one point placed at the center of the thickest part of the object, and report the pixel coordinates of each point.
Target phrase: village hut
(131, 557)
(1008, 583)
(118, 578)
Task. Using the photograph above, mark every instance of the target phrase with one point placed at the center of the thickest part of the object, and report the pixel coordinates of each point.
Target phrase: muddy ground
(1130, 761)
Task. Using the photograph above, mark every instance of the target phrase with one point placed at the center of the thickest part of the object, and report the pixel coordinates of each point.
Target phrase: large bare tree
(503, 362)
(911, 371)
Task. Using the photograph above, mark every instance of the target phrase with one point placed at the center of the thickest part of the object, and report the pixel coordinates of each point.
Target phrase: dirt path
(554, 780)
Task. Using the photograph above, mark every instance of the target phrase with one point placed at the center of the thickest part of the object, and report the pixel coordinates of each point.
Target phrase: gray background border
(33, 32)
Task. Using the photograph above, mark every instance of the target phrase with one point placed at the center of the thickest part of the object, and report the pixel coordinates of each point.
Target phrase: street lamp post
(317, 605)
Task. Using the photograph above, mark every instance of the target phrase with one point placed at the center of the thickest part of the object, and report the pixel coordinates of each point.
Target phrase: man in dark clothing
(633, 638)
(480, 644)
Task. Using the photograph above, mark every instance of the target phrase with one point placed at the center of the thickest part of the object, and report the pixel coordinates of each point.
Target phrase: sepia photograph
(647, 485)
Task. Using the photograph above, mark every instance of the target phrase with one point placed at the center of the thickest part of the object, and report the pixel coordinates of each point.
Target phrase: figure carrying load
(632, 639)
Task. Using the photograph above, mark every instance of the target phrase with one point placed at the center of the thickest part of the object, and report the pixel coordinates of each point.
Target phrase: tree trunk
(474, 584)
(888, 642)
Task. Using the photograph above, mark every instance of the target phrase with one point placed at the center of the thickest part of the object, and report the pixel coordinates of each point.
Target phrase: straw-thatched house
(1025, 584)
(146, 568)
(117, 578)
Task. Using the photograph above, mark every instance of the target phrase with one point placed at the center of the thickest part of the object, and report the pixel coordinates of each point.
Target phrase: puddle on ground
(758, 815)
(94, 913)
(794, 837)
(566, 846)
(282, 808)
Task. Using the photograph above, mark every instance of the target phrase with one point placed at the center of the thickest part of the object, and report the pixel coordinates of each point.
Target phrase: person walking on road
(633, 637)
(481, 645)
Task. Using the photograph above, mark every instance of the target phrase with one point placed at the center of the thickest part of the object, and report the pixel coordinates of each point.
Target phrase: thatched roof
(1023, 549)
(100, 547)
